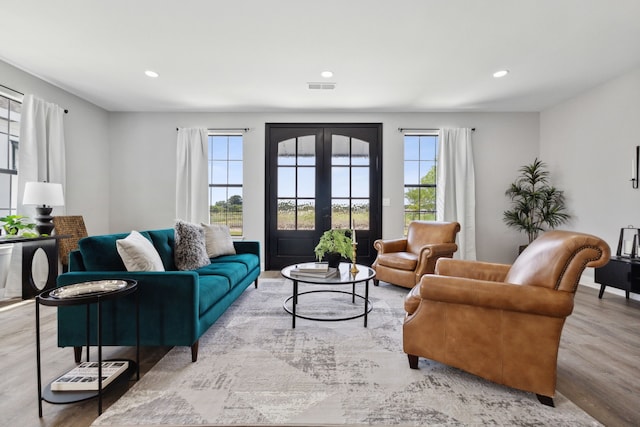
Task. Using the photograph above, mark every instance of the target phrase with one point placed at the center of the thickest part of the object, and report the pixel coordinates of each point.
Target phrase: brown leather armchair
(404, 261)
(502, 322)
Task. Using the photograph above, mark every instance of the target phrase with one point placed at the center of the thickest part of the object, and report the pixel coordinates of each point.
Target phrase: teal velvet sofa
(176, 307)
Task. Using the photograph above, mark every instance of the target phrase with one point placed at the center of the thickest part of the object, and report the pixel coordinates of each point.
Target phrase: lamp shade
(43, 193)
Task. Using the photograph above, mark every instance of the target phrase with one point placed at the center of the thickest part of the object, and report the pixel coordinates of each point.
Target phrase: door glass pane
(340, 213)
(340, 181)
(306, 215)
(307, 150)
(339, 150)
(286, 182)
(359, 152)
(287, 152)
(306, 182)
(286, 214)
(360, 213)
(360, 182)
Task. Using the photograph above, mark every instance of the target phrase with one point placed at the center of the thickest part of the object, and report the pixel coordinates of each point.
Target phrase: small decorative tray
(88, 288)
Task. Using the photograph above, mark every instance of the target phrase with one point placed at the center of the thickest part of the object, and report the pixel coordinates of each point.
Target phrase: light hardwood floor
(597, 365)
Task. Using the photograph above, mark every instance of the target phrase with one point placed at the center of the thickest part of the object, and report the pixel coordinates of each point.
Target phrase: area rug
(254, 369)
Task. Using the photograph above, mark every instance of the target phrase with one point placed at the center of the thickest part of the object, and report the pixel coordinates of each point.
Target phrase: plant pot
(333, 259)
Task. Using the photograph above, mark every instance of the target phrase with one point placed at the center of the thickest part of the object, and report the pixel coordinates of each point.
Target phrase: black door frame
(366, 253)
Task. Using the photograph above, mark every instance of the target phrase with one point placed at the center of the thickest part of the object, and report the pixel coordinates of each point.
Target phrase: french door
(318, 177)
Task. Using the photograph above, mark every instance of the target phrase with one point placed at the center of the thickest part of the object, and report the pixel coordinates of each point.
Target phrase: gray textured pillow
(190, 252)
(218, 240)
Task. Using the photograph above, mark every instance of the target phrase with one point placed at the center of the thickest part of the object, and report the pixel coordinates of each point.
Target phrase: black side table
(86, 293)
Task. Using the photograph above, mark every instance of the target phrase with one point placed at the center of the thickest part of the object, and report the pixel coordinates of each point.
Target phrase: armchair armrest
(430, 253)
(495, 295)
(393, 245)
(472, 269)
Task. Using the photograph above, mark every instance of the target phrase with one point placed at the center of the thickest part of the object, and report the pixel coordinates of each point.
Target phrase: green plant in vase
(15, 225)
(335, 241)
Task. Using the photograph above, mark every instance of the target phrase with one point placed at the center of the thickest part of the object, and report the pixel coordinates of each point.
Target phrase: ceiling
(259, 56)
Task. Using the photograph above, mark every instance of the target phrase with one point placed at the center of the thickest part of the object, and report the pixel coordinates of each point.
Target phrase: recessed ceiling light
(500, 73)
(326, 74)
(150, 73)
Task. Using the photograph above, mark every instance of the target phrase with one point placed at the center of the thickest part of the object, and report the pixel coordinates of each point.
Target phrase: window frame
(226, 219)
(12, 148)
(419, 213)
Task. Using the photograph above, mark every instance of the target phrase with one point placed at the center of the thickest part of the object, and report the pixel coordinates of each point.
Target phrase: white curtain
(41, 157)
(456, 189)
(192, 183)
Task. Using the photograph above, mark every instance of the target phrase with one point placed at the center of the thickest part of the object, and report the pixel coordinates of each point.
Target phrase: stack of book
(319, 270)
(85, 376)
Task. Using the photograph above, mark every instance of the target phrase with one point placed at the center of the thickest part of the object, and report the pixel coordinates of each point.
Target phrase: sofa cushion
(138, 253)
(251, 261)
(99, 253)
(190, 252)
(218, 240)
(212, 288)
(233, 271)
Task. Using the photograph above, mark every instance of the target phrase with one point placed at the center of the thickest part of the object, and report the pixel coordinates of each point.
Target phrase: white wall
(87, 148)
(142, 169)
(588, 142)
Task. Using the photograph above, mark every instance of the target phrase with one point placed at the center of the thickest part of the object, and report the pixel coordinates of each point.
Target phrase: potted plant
(334, 244)
(536, 205)
(15, 225)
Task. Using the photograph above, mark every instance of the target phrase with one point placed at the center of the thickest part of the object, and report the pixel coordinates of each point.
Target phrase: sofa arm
(479, 270)
(247, 247)
(394, 245)
(496, 295)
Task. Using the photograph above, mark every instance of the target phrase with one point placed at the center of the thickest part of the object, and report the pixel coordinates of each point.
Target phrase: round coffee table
(344, 277)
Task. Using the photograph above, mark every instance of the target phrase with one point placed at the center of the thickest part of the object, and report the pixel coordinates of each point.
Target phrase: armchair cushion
(399, 260)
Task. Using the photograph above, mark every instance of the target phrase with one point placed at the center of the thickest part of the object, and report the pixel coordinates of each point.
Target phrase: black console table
(622, 273)
(30, 245)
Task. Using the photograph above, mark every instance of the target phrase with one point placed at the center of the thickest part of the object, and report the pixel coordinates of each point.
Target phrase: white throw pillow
(138, 253)
(218, 240)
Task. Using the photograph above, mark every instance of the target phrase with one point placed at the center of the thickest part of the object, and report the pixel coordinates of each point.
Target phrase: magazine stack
(318, 270)
(85, 376)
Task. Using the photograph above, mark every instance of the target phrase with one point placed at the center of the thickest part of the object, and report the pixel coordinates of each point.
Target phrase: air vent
(321, 85)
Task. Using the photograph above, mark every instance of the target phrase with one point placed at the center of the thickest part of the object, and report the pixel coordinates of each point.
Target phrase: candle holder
(354, 269)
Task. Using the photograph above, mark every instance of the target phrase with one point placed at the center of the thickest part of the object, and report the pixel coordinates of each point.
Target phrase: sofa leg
(546, 400)
(77, 353)
(413, 361)
(256, 284)
(194, 351)
(376, 282)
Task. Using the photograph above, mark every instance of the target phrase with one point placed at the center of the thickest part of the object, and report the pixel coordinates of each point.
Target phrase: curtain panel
(192, 183)
(41, 157)
(456, 188)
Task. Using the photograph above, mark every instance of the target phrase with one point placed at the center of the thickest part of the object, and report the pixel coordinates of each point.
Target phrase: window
(420, 155)
(9, 140)
(225, 181)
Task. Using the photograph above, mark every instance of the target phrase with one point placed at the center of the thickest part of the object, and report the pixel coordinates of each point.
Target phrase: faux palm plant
(536, 205)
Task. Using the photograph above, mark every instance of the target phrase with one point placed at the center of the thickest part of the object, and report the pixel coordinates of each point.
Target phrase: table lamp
(44, 195)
